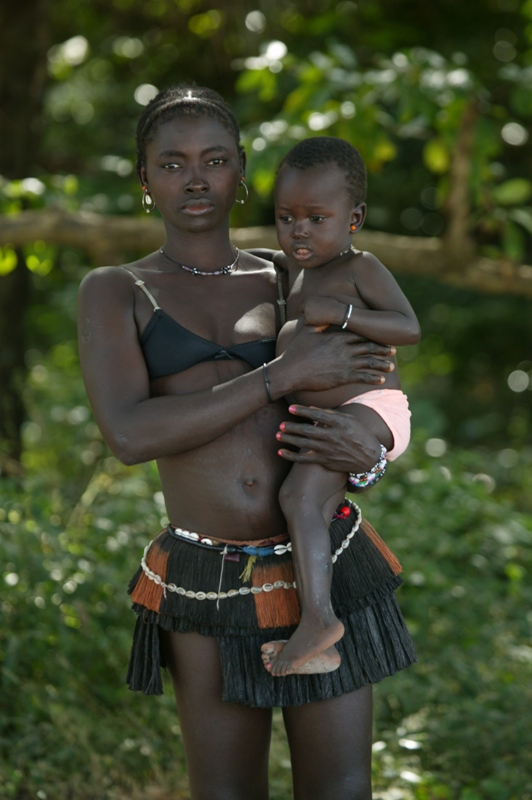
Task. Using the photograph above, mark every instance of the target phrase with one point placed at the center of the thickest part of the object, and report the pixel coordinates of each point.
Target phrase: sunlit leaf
(436, 156)
(8, 260)
(513, 192)
(385, 150)
(523, 216)
(513, 241)
(205, 25)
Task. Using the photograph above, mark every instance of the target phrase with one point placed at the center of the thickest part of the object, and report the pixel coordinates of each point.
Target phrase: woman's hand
(333, 439)
(318, 361)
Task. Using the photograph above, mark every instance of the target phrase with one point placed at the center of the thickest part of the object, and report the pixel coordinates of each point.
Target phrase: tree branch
(113, 239)
(459, 243)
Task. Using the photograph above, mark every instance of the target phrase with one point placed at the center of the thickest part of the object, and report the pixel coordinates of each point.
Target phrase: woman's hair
(184, 99)
(320, 150)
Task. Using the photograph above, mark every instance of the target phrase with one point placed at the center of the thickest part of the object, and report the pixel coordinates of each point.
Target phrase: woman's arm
(261, 252)
(140, 428)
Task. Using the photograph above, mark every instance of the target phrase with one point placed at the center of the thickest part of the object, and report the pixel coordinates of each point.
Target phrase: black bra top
(169, 348)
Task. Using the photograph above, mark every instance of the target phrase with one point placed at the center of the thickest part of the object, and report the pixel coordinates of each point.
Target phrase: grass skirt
(375, 644)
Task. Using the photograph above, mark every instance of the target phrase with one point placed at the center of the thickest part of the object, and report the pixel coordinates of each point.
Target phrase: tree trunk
(459, 244)
(14, 294)
(24, 41)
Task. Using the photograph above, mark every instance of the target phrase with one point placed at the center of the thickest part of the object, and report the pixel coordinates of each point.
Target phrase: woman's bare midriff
(228, 487)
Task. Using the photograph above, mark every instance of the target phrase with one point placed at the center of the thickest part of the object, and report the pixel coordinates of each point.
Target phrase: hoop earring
(147, 201)
(246, 195)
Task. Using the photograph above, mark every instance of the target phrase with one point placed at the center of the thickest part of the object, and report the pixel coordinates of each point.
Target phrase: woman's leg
(330, 747)
(308, 497)
(226, 745)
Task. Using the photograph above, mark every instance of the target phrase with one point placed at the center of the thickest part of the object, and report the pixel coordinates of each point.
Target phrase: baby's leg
(309, 497)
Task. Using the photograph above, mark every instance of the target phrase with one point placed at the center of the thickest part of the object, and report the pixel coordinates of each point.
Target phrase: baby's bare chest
(340, 284)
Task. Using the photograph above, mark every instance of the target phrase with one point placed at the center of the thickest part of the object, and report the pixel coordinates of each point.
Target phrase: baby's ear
(358, 216)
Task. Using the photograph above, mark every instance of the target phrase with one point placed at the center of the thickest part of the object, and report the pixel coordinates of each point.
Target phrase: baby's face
(313, 213)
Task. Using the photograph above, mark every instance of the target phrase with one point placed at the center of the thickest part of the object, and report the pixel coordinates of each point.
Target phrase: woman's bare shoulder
(106, 294)
(106, 306)
(115, 281)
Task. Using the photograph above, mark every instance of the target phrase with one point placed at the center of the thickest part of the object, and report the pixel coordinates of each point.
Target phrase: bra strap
(281, 302)
(146, 291)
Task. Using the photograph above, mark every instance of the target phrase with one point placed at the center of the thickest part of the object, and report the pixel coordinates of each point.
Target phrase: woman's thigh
(226, 745)
(330, 747)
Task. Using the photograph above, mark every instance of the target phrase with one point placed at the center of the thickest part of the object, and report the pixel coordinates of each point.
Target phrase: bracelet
(347, 316)
(362, 479)
(267, 383)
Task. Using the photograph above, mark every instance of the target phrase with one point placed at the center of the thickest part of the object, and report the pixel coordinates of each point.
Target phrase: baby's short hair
(320, 150)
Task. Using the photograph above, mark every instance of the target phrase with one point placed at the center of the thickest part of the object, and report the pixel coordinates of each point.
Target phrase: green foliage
(72, 533)
(454, 727)
(415, 96)
(71, 729)
(35, 193)
(398, 90)
(470, 376)
(467, 565)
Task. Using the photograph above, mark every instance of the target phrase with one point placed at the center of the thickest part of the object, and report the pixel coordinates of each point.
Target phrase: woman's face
(193, 169)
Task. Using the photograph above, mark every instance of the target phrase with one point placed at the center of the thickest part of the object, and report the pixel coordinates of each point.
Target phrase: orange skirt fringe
(376, 643)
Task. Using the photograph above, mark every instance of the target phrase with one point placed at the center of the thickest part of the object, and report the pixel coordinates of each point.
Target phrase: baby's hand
(323, 311)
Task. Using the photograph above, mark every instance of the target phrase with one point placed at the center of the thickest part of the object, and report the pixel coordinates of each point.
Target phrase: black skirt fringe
(376, 643)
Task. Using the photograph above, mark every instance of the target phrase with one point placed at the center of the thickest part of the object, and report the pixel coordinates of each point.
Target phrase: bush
(453, 727)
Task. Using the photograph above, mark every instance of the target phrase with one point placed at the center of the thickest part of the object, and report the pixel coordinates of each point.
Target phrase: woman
(195, 396)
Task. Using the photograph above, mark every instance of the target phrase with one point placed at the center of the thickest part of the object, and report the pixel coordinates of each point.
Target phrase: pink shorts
(392, 406)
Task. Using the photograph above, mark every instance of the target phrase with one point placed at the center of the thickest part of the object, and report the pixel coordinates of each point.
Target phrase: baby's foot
(326, 661)
(308, 643)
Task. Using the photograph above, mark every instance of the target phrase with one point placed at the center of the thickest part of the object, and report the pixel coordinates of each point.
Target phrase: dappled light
(438, 100)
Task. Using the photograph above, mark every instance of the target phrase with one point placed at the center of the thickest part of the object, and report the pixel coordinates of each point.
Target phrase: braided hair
(187, 100)
(320, 150)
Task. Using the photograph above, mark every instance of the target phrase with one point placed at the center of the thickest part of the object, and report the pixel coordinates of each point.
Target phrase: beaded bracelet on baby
(362, 479)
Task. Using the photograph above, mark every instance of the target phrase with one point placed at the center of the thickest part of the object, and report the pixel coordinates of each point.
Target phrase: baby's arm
(389, 317)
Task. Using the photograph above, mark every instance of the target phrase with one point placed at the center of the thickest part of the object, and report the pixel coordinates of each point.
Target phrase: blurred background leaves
(438, 99)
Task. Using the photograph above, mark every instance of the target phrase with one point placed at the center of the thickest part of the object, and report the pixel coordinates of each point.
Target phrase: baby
(319, 203)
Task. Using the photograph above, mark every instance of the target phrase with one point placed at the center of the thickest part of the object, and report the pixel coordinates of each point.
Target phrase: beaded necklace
(340, 258)
(195, 271)
(349, 249)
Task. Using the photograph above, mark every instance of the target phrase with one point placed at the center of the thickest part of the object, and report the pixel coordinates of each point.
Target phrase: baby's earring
(353, 227)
